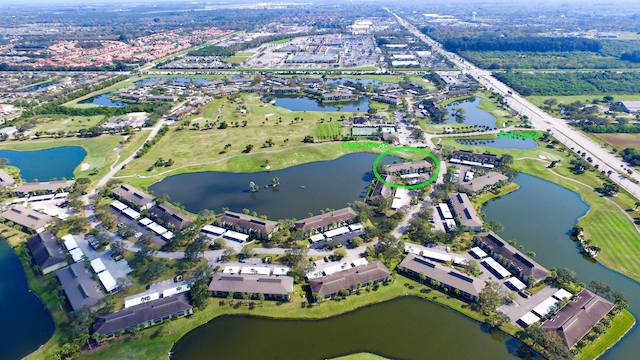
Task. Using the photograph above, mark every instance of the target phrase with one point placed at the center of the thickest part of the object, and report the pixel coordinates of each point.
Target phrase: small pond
(520, 144)
(37, 87)
(103, 100)
(47, 164)
(472, 116)
(303, 103)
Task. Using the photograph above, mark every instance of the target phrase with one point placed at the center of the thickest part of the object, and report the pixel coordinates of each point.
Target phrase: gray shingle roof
(256, 284)
(135, 315)
(5, 179)
(464, 210)
(574, 320)
(45, 249)
(478, 184)
(445, 275)
(383, 190)
(27, 217)
(79, 286)
(324, 220)
(133, 195)
(331, 284)
(170, 215)
(248, 223)
(49, 186)
(521, 262)
(416, 165)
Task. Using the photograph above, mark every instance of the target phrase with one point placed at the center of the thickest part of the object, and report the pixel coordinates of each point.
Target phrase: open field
(621, 140)
(71, 124)
(361, 356)
(328, 130)
(281, 41)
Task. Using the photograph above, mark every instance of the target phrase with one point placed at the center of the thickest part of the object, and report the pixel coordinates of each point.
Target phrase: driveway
(526, 305)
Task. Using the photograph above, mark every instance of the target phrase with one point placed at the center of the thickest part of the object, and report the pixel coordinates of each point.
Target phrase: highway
(539, 119)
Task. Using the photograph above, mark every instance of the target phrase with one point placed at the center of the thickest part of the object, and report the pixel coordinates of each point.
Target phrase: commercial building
(43, 187)
(330, 285)
(170, 216)
(323, 222)
(247, 224)
(272, 287)
(629, 106)
(511, 258)
(143, 315)
(29, 219)
(463, 208)
(133, 196)
(575, 319)
(47, 252)
(79, 286)
(449, 278)
(311, 59)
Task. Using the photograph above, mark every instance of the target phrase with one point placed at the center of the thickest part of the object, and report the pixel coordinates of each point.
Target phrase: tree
(248, 251)
(565, 276)
(144, 254)
(200, 293)
(261, 297)
(248, 148)
(147, 237)
(79, 322)
(219, 244)
(637, 203)
(228, 254)
(339, 253)
(117, 247)
(492, 296)
(423, 277)
(127, 230)
(498, 318)
(599, 287)
(472, 267)
(246, 298)
(230, 297)
(193, 252)
(124, 283)
(493, 226)
(152, 272)
(357, 241)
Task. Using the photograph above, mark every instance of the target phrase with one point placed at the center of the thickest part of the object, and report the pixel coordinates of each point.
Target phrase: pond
(176, 79)
(37, 87)
(303, 189)
(404, 328)
(47, 164)
(473, 115)
(540, 215)
(303, 103)
(26, 322)
(520, 144)
(103, 100)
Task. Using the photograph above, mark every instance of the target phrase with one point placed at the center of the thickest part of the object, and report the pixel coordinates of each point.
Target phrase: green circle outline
(408, 187)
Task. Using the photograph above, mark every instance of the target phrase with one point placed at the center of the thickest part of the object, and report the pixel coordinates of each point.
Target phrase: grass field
(148, 348)
(235, 59)
(621, 141)
(361, 356)
(621, 324)
(69, 124)
(282, 41)
(328, 130)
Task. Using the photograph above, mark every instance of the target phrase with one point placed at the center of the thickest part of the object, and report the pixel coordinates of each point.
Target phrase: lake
(103, 100)
(327, 184)
(47, 164)
(473, 115)
(404, 328)
(540, 215)
(26, 322)
(303, 103)
(520, 144)
(37, 87)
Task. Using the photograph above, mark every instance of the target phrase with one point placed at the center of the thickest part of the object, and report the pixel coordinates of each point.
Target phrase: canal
(404, 328)
(26, 322)
(540, 215)
(47, 164)
(303, 189)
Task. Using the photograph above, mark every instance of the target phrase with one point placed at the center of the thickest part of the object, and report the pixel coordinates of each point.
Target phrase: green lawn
(147, 348)
(282, 41)
(361, 356)
(328, 129)
(539, 100)
(621, 324)
(69, 124)
(235, 59)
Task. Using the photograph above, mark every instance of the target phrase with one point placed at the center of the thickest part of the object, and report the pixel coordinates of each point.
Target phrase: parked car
(137, 235)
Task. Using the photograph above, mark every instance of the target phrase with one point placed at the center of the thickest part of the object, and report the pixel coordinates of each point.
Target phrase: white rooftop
(236, 236)
(562, 294)
(107, 281)
(69, 242)
(280, 270)
(145, 221)
(529, 318)
(497, 267)
(231, 270)
(131, 213)
(517, 283)
(157, 228)
(133, 301)
(545, 307)
(168, 235)
(98, 266)
(336, 268)
(336, 232)
(76, 254)
(478, 252)
(248, 270)
(356, 226)
(316, 237)
(213, 230)
(359, 262)
(118, 205)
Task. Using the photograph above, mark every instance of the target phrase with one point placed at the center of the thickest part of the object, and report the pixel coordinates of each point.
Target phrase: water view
(37, 87)
(520, 144)
(303, 103)
(413, 329)
(303, 189)
(540, 215)
(26, 322)
(103, 100)
(364, 82)
(47, 164)
(472, 116)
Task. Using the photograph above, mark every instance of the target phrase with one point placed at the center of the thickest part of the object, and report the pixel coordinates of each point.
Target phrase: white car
(137, 235)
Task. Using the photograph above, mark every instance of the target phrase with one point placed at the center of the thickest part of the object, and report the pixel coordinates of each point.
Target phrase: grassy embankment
(100, 150)
(157, 347)
(207, 147)
(605, 224)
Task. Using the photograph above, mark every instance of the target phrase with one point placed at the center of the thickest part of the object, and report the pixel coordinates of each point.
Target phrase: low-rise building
(449, 278)
(170, 216)
(483, 182)
(515, 261)
(467, 157)
(143, 315)
(628, 106)
(330, 285)
(41, 188)
(409, 167)
(47, 252)
(272, 287)
(5, 179)
(133, 196)
(463, 208)
(382, 190)
(323, 222)
(578, 316)
(247, 224)
(80, 286)
(29, 219)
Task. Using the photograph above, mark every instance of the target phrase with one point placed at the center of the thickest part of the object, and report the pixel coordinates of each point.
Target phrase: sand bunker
(85, 167)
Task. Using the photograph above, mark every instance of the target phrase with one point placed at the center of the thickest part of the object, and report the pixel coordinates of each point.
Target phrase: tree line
(520, 43)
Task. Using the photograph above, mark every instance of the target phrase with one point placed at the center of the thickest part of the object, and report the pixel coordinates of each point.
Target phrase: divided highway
(540, 120)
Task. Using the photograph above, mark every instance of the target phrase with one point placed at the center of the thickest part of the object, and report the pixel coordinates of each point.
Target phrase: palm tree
(245, 296)
(422, 277)
(230, 297)
(315, 297)
(261, 297)
(636, 204)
